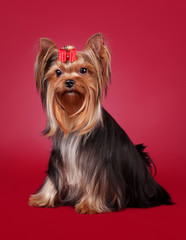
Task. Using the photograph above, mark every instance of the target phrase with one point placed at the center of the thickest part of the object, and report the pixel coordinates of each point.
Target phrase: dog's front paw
(33, 201)
(38, 201)
(83, 208)
(45, 197)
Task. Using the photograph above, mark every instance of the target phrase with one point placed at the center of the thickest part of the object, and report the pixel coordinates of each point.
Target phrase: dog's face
(72, 91)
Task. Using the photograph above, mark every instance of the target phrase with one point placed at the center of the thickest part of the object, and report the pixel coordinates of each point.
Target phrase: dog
(94, 166)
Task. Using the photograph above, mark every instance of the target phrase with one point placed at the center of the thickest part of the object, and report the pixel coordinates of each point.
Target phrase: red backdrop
(147, 98)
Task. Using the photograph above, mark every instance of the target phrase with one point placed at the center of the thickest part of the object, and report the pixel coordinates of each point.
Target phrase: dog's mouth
(70, 101)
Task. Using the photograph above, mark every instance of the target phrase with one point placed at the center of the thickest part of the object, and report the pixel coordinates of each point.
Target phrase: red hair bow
(63, 55)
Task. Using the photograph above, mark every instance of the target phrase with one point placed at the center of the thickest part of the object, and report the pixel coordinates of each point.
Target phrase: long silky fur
(95, 166)
(107, 150)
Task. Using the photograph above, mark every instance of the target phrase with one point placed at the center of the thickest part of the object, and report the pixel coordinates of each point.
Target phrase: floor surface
(19, 221)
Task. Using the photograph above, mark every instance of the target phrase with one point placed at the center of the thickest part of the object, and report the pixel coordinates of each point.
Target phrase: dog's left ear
(101, 51)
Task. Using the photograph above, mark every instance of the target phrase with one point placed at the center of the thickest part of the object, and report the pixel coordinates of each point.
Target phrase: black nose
(69, 83)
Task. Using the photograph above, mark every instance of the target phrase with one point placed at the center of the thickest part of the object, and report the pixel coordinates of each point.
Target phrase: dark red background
(147, 98)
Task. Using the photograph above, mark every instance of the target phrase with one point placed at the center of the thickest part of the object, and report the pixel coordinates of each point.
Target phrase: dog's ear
(96, 43)
(45, 44)
(47, 53)
(101, 51)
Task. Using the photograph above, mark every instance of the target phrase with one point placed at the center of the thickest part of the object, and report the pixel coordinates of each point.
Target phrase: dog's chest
(69, 150)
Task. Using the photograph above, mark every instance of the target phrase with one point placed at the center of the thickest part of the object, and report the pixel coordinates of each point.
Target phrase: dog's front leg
(94, 198)
(47, 194)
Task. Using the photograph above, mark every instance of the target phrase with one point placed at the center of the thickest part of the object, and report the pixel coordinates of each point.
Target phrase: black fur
(108, 149)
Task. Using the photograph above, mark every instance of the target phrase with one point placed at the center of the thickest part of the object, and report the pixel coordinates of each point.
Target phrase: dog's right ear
(47, 53)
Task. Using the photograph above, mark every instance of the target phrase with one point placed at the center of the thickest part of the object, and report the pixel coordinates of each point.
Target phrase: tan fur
(47, 49)
(93, 200)
(88, 114)
(45, 196)
(96, 58)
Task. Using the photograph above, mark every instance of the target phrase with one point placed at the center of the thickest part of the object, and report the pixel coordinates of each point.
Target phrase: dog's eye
(83, 70)
(58, 73)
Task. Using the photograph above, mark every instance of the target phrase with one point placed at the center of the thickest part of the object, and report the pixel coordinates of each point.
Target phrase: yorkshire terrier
(93, 166)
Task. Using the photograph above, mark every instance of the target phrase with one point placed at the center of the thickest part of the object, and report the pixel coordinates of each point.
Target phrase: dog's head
(72, 90)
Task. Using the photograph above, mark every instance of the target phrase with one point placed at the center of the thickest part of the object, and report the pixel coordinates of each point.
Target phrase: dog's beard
(70, 101)
(73, 111)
